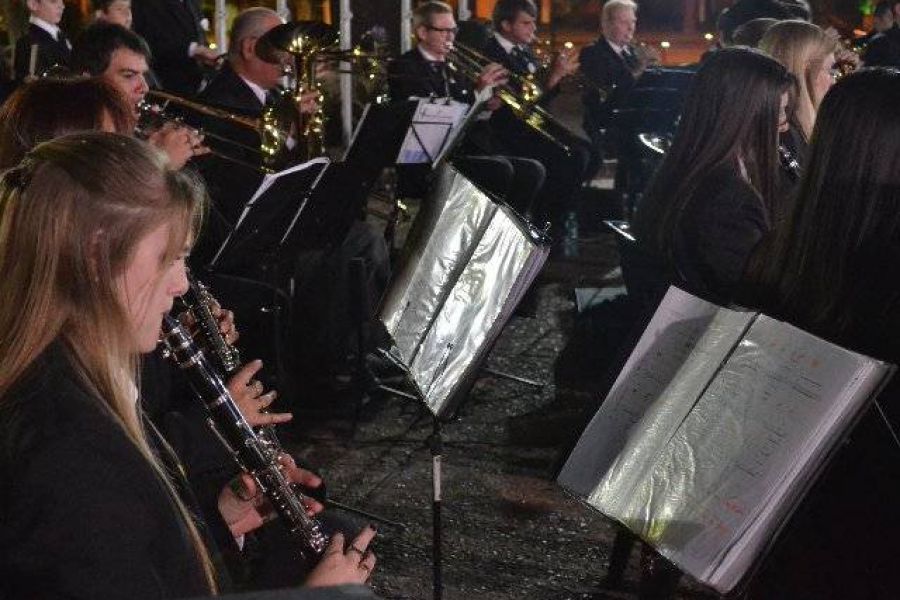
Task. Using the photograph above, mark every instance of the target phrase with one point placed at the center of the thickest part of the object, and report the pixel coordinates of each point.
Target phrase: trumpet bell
(297, 38)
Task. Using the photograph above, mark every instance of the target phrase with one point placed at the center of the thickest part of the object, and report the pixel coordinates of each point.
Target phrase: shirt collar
(507, 45)
(257, 90)
(616, 47)
(428, 55)
(48, 27)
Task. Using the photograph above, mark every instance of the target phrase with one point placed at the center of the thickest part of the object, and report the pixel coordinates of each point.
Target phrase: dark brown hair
(847, 212)
(730, 116)
(49, 108)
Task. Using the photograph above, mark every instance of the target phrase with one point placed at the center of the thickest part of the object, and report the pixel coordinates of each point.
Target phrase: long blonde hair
(71, 216)
(801, 47)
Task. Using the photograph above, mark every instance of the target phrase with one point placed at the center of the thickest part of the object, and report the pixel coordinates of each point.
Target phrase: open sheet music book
(713, 431)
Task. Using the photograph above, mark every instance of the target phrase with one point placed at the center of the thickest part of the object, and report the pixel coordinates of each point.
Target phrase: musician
(743, 11)
(882, 49)
(44, 45)
(174, 30)
(113, 11)
(612, 64)
(245, 85)
(423, 72)
(515, 22)
(48, 108)
(121, 58)
(808, 53)
(834, 273)
(89, 509)
(713, 198)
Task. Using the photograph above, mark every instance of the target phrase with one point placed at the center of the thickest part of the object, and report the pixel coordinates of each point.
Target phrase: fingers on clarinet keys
(345, 565)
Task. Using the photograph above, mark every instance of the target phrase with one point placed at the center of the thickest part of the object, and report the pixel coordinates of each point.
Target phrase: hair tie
(20, 176)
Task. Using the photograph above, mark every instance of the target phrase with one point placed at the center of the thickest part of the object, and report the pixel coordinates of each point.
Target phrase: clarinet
(789, 162)
(225, 357)
(254, 456)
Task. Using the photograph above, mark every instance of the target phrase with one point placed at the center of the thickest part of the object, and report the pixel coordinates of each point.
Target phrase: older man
(611, 64)
(243, 85)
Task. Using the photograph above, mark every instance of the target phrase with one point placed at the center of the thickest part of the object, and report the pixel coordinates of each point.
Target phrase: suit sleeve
(727, 233)
(151, 25)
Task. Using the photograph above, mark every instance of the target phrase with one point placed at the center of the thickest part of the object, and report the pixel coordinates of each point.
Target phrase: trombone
(521, 95)
(273, 135)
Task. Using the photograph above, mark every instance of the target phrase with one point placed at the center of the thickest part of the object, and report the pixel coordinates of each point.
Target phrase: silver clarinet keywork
(225, 357)
(254, 455)
(789, 162)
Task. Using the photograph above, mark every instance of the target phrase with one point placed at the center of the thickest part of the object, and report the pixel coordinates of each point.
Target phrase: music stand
(269, 216)
(472, 259)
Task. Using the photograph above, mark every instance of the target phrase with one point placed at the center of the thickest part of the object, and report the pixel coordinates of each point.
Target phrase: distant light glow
(212, 46)
(665, 45)
(708, 37)
(568, 45)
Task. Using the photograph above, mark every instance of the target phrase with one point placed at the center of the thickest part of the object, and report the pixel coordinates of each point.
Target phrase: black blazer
(170, 26)
(51, 52)
(721, 224)
(227, 90)
(602, 66)
(884, 49)
(230, 185)
(522, 63)
(83, 514)
(412, 75)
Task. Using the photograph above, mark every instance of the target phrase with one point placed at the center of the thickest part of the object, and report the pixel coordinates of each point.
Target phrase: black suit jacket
(607, 70)
(83, 514)
(523, 63)
(884, 49)
(412, 75)
(170, 26)
(230, 184)
(50, 52)
(721, 224)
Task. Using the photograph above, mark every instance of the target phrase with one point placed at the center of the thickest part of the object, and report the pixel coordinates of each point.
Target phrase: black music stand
(471, 261)
(269, 217)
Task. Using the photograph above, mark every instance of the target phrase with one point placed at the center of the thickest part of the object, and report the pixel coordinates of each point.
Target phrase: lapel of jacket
(435, 82)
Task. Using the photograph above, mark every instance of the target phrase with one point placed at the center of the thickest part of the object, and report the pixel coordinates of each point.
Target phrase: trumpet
(521, 95)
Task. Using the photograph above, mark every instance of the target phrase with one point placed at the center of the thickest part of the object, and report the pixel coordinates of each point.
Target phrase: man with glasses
(425, 71)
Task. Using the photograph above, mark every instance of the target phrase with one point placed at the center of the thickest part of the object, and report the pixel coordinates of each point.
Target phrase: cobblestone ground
(509, 530)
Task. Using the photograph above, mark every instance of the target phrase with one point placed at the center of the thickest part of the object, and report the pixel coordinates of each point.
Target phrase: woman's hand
(252, 399)
(245, 509)
(342, 566)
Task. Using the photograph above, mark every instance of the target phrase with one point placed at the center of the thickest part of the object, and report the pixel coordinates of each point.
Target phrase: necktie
(520, 60)
(630, 59)
(442, 86)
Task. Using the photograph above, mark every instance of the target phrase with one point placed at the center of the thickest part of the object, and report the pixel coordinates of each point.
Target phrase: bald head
(249, 26)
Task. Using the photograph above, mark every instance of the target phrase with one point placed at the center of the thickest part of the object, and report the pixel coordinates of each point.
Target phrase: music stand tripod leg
(436, 445)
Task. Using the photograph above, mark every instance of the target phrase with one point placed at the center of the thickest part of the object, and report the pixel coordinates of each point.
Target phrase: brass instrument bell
(303, 41)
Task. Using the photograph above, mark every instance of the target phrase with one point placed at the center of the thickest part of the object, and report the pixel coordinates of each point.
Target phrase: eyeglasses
(453, 30)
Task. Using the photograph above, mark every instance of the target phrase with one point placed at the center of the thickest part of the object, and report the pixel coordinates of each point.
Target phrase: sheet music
(686, 340)
(716, 491)
(430, 130)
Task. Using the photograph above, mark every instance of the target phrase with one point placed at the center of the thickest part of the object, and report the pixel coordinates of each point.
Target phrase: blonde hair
(801, 47)
(71, 216)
